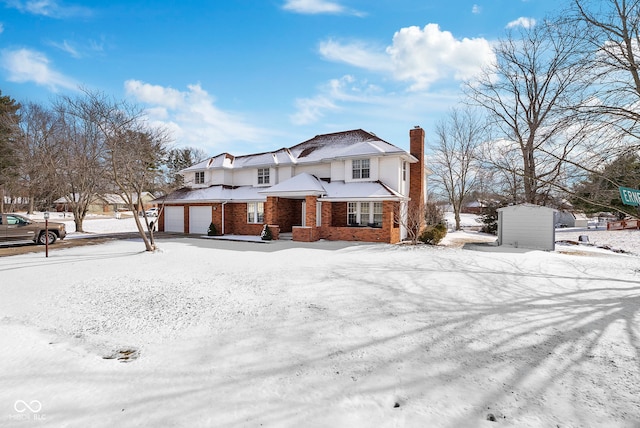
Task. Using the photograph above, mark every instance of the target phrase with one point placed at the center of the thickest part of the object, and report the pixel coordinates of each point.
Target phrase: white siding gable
(245, 177)
(321, 170)
(390, 173)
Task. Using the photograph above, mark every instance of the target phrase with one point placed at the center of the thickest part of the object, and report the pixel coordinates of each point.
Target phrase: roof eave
(364, 199)
(401, 154)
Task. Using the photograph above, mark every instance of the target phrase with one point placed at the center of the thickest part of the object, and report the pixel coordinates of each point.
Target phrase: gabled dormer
(209, 172)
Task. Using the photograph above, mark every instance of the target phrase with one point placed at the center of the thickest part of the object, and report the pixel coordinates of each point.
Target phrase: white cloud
(313, 7)
(345, 89)
(24, 65)
(192, 116)
(67, 47)
(522, 22)
(420, 56)
(49, 8)
(310, 110)
(79, 49)
(476, 10)
(357, 54)
(366, 103)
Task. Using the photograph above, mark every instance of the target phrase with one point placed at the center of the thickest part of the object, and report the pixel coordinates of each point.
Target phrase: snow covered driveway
(379, 335)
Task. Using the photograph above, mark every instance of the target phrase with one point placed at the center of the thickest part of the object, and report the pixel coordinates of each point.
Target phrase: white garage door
(199, 220)
(174, 219)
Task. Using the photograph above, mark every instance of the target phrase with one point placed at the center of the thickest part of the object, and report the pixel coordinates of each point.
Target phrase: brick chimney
(417, 170)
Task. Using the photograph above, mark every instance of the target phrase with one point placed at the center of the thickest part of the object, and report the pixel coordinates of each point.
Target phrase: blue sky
(246, 76)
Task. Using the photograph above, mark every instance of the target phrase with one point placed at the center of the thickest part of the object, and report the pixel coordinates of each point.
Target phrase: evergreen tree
(9, 131)
(266, 234)
(600, 190)
(213, 231)
(179, 159)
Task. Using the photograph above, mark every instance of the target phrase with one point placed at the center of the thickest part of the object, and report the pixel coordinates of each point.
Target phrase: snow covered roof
(342, 145)
(300, 185)
(525, 206)
(307, 184)
(215, 194)
(371, 190)
(109, 198)
(325, 147)
(223, 160)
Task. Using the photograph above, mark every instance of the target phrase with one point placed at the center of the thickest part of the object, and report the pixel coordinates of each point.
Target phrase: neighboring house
(566, 218)
(474, 207)
(107, 203)
(527, 226)
(342, 186)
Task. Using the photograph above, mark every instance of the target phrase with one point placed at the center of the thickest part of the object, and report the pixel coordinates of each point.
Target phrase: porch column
(310, 218)
(271, 210)
(390, 228)
(327, 212)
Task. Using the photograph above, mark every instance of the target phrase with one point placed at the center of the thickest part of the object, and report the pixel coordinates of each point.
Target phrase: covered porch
(311, 209)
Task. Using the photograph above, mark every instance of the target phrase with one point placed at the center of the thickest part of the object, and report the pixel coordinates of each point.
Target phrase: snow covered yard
(374, 335)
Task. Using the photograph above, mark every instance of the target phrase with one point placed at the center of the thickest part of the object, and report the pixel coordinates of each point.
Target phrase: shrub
(432, 235)
(212, 230)
(266, 233)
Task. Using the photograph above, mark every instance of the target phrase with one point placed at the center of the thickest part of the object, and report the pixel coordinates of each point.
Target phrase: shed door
(174, 219)
(199, 220)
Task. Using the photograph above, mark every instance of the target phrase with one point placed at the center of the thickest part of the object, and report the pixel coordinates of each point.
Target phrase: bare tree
(37, 150)
(528, 95)
(411, 217)
(434, 211)
(134, 159)
(453, 160)
(501, 161)
(611, 32)
(134, 152)
(82, 166)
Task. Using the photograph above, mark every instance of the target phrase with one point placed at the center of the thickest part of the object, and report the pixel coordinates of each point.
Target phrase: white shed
(527, 226)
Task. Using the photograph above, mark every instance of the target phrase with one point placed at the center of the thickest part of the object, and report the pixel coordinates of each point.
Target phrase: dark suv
(14, 227)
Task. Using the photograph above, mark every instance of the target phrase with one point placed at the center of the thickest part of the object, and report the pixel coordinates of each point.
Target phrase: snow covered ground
(201, 334)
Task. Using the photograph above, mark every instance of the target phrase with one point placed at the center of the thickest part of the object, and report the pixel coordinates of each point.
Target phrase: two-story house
(348, 185)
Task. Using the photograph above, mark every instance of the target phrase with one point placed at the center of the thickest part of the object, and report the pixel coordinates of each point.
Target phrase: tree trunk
(31, 204)
(78, 222)
(149, 245)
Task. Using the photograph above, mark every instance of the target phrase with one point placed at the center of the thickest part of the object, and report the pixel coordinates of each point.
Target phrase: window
(404, 171)
(200, 177)
(352, 213)
(255, 212)
(364, 213)
(360, 168)
(377, 213)
(263, 175)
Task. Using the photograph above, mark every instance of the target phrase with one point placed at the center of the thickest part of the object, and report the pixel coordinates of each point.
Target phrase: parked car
(152, 212)
(14, 227)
